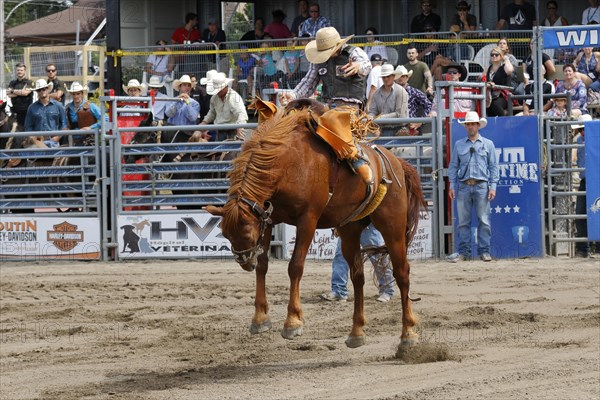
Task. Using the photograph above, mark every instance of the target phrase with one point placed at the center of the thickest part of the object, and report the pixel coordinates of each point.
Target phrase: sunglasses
(463, 9)
(50, 70)
(453, 72)
(494, 55)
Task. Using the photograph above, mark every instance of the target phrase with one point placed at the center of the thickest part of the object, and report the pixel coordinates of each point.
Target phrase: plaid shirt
(306, 87)
(311, 26)
(417, 98)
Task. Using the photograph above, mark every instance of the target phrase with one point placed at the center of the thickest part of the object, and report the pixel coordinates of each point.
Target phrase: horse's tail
(416, 200)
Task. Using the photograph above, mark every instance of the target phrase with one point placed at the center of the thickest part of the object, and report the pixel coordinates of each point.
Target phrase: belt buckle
(471, 182)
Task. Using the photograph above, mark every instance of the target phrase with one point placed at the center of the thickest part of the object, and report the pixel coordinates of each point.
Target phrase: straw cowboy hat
(461, 69)
(77, 87)
(219, 82)
(184, 79)
(134, 83)
(41, 83)
(582, 119)
(402, 71)
(387, 70)
(209, 76)
(472, 116)
(326, 43)
(155, 82)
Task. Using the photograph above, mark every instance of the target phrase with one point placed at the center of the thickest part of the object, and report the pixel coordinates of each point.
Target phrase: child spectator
(559, 109)
(267, 64)
(244, 66)
(291, 59)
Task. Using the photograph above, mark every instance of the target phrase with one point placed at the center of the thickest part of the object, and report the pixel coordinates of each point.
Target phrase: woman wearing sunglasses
(497, 73)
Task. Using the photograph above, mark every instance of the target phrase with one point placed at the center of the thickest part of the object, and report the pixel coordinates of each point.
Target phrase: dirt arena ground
(519, 329)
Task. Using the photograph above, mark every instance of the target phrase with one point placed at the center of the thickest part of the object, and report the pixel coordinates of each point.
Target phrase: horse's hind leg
(393, 231)
(350, 236)
(397, 250)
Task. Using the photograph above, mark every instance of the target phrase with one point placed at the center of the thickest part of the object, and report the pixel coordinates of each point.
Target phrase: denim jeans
(340, 270)
(467, 199)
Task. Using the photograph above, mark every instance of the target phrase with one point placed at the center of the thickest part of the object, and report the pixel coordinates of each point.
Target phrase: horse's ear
(217, 211)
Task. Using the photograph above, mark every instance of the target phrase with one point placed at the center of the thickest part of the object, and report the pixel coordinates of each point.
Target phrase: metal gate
(561, 184)
(50, 197)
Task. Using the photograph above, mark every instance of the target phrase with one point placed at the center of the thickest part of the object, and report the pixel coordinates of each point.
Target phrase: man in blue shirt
(186, 110)
(46, 114)
(473, 170)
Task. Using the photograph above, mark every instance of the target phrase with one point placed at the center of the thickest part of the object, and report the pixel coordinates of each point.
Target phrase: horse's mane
(255, 170)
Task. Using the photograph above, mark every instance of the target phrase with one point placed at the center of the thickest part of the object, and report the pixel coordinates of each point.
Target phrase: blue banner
(592, 178)
(516, 212)
(571, 36)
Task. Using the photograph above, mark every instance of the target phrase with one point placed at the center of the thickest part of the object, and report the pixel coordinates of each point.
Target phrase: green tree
(240, 23)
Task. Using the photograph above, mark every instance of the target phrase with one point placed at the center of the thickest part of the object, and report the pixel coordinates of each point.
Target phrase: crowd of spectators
(268, 62)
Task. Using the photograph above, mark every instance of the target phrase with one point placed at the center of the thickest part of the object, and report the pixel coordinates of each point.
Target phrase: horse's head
(244, 224)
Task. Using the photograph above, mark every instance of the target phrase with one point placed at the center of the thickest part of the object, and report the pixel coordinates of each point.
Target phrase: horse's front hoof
(290, 333)
(260, 328)
(355, 341)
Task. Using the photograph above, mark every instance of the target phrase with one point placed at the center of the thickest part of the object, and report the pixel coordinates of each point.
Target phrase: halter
(251, 254)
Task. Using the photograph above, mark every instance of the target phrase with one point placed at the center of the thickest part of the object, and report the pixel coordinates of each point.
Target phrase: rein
(264, 215)
(4, 121)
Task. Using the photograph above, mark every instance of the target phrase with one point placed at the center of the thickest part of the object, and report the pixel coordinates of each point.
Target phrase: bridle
(264, 215)
(4, 121)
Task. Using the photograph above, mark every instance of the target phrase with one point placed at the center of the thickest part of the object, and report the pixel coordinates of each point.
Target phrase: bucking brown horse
(287, 174)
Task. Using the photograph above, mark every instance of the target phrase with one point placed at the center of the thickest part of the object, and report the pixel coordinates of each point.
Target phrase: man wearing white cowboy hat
(134, 88)
(473, 171)
(186, 110)
(226, 107)
(582, 249)
(81, 114)
(342, 68)
(390, 100)
(159, 106)
(418, 103)
(46, 114)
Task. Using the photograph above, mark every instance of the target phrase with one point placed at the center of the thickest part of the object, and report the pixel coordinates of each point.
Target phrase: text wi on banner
(571, 36)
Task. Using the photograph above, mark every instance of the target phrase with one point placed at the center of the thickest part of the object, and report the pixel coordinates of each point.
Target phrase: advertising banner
(571, 36)
(192, 235)
(325, 242)
(516, 213)
(72, 238)
(592, 178)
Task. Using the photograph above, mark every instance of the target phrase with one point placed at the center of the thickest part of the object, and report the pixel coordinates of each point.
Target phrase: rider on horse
(343, 69)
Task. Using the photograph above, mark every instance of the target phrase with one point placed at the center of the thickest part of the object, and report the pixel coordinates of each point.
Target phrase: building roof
(61, 26)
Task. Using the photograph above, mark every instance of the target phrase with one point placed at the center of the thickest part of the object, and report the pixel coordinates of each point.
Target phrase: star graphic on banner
(507, 210)
(516, 209)
(498, 209)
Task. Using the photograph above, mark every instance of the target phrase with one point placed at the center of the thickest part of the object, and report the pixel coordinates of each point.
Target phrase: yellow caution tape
(123, 53)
